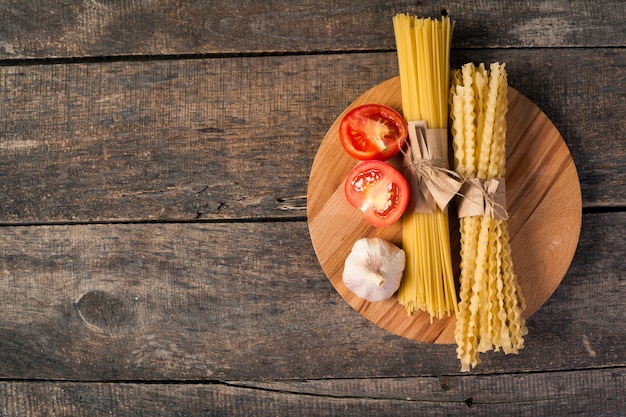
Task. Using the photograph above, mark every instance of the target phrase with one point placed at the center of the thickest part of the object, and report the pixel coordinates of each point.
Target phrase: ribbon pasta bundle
(491, 302)
(423, 46)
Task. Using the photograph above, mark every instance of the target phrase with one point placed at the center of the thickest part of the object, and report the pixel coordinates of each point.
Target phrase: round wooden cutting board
(543, 199)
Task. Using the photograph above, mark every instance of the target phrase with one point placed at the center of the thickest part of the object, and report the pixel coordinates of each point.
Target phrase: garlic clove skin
(373, 269)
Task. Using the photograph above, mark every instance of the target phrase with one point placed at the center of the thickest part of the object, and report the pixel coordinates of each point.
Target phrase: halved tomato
(372, 131)
(379, 190)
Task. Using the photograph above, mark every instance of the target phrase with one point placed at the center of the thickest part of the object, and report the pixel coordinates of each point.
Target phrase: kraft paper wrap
(483, 197)
(432, 183)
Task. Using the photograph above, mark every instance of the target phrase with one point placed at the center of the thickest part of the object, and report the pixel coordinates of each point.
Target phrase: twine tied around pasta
(432, 183)
(483, 197)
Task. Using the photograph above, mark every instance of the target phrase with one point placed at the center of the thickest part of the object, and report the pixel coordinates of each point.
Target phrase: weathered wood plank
(199, 139)
(595, 393)
(248, 301)
(73, 28)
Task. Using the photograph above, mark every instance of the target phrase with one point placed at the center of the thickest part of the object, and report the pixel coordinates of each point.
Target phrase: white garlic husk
(374, 269)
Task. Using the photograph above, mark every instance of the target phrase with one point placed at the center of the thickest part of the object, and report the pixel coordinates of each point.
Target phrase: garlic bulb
(374, 268)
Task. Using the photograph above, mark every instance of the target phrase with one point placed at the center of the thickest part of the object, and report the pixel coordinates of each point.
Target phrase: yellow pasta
(491, 303)
(423, 46)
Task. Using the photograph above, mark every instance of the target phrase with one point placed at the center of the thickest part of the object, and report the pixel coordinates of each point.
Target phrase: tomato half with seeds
(379, 190)
(372, 131)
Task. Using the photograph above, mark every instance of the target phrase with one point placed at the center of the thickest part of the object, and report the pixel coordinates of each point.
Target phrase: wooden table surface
(155, 257)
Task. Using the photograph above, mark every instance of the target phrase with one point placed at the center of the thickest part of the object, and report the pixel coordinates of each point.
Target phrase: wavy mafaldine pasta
(423, 47)
(491, 302)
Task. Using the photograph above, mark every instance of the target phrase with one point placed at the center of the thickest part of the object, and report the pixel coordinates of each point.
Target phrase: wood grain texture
(600, 393)
(155, 259)
(543, 201)
(248, 301)
(97, 28)
(192, 140)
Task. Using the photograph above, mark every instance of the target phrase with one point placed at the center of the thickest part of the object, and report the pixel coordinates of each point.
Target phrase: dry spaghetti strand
(423, 46)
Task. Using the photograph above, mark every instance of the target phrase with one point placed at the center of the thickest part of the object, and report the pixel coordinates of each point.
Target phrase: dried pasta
(423, 47)
(490, 299)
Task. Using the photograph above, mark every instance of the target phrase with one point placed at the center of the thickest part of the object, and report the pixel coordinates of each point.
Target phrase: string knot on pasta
(482, 197)
(426, 163)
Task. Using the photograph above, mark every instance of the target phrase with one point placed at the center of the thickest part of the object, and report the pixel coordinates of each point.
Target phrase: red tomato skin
(367, 182)
(356, 132)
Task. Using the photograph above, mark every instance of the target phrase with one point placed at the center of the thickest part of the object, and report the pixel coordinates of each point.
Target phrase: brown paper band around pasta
(483, 197)
(432, 183)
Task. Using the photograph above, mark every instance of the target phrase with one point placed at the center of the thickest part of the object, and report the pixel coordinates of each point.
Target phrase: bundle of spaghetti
(491, 301)
(423, 47)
